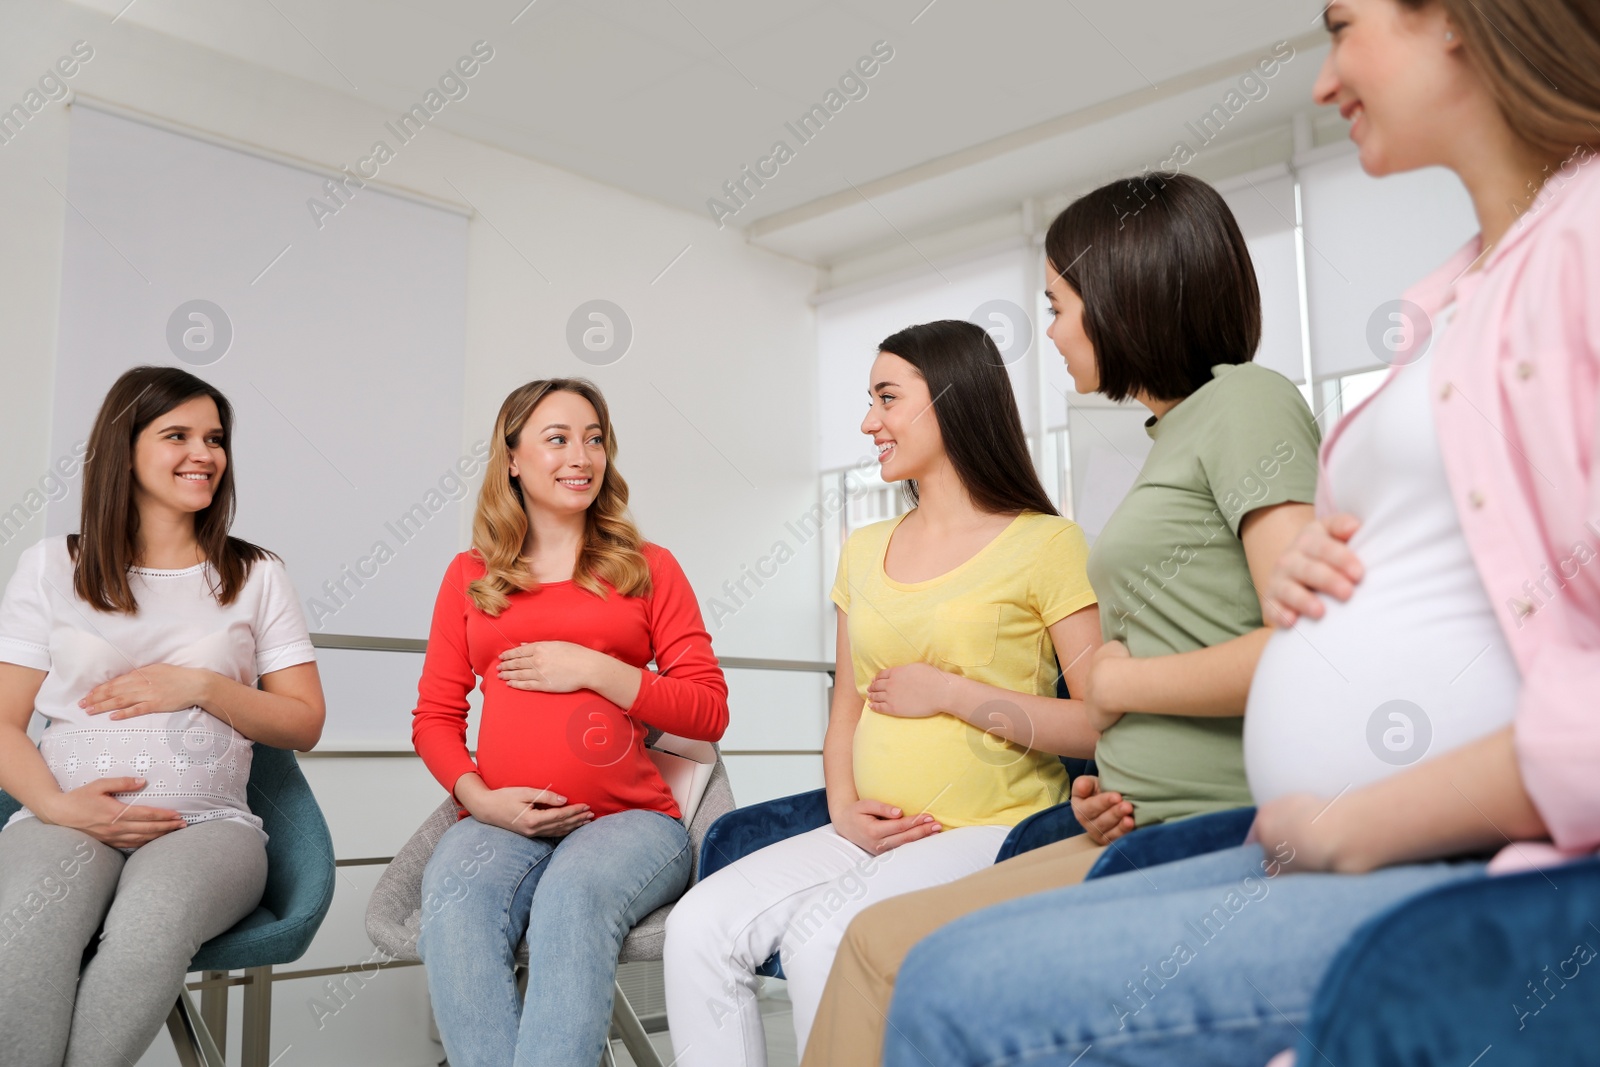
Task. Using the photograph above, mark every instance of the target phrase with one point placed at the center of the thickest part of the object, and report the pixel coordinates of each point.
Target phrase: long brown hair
(105, 545)
(976, 412)
(1541, 62)
(612, 544)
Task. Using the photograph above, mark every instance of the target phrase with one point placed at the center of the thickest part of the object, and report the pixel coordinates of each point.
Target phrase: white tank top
(1414, 663)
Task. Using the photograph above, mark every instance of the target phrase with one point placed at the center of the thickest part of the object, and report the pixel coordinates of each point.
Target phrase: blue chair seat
(1171, 841)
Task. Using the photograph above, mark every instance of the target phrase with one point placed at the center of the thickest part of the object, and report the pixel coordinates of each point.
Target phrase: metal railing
(363, 643)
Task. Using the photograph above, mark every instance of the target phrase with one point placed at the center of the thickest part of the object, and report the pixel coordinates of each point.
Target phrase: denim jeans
(574, 899)
(1210, 960)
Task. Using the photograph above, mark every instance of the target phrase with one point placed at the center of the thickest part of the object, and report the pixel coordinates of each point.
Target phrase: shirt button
(1524, 369)
(1522, 607)
(1475, 498)
(1444, 393)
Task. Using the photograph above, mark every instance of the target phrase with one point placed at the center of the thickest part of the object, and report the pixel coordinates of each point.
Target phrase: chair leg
(634, 1038)
(183, 1039)
(190, 1037)
(214, 1008)
(256, 1032)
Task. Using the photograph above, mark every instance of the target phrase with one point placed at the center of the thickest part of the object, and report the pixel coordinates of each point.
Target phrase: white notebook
(686, 767)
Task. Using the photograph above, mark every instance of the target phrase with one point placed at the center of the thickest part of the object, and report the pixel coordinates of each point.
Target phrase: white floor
(367, 1033)
(775, 1013)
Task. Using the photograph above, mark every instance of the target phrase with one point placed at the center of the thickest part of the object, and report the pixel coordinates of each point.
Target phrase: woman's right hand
(877, 827)
(92, 809)
(1103, 816)
(522, 810)
(1318, 563)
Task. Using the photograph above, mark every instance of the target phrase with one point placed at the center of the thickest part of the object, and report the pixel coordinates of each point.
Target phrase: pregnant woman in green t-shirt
(1154, 299)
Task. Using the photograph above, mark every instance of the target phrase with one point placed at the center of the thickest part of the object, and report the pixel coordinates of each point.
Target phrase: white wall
(850, 327)
(713, 402)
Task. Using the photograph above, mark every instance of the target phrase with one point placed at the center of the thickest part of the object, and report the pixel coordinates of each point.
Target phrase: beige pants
(855, 1003)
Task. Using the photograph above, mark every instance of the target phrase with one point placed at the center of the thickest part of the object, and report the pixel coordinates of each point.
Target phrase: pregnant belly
(1380, 683)
(577, 745)
(955, 772)
(194, 763)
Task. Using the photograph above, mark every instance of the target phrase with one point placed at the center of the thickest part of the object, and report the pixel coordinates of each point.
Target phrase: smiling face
(179, 459)
(909, 446)
(1066, 330)
(560, 458)
(1399, 79)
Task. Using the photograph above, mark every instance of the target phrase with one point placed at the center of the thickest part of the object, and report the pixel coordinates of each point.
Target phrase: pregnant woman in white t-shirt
(140, 640)
(1425, 666)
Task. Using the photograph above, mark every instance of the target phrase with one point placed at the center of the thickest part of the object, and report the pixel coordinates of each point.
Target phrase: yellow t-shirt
(987, 620)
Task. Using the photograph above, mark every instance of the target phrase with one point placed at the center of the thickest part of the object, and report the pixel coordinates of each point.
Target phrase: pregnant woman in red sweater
(568, 834)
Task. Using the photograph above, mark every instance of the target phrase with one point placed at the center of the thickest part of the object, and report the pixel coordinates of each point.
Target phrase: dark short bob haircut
(1167, 285)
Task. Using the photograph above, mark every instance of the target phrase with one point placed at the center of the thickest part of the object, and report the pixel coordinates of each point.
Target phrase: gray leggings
(152, 910)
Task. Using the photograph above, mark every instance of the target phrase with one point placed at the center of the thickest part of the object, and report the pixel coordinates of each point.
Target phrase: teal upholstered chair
(300, 874)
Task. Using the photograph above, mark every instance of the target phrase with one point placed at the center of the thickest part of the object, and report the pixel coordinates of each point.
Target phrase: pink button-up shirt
(1514, 390)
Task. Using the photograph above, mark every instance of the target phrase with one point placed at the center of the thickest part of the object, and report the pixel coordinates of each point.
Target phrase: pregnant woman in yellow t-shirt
(956, 614)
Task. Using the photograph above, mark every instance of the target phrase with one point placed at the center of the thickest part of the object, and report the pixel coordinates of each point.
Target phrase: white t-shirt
(1414, 663)
(193, 762)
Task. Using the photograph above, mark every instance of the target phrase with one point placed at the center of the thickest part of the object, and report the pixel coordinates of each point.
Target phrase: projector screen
(1368, 240)
(341, 347)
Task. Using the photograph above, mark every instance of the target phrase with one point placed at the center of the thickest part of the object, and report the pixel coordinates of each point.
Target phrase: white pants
(795, 897)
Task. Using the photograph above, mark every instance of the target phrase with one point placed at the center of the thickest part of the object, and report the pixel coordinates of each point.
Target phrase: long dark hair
(976, 412)
(108, 524)
(1167, 285)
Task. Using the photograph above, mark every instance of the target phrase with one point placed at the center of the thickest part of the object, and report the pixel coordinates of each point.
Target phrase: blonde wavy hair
(612, 545)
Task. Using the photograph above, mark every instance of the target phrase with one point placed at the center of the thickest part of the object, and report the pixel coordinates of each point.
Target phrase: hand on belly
(1318, 563)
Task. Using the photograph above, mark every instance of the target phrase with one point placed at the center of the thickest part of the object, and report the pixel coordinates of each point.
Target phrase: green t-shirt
(1171, 574)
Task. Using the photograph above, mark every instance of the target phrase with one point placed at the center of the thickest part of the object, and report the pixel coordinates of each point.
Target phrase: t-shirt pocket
(965, 634)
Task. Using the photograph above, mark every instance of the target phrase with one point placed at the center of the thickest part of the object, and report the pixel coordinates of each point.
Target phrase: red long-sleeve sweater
(578, 744)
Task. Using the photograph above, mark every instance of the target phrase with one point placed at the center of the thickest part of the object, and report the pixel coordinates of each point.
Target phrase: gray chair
(394, 914)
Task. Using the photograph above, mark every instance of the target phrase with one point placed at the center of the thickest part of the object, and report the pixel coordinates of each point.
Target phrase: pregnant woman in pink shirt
(1440, 706)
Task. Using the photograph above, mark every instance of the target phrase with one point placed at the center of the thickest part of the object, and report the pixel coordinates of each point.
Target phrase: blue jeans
(574, 898)
(1210, 960)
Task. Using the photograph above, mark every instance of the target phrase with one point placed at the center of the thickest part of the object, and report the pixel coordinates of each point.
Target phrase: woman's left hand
(549, 667)
(148, 690)
(1296, 824)
(911, 691)
(1098, 699)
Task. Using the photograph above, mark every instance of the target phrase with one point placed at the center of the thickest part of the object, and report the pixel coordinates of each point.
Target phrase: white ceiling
(983, 104)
